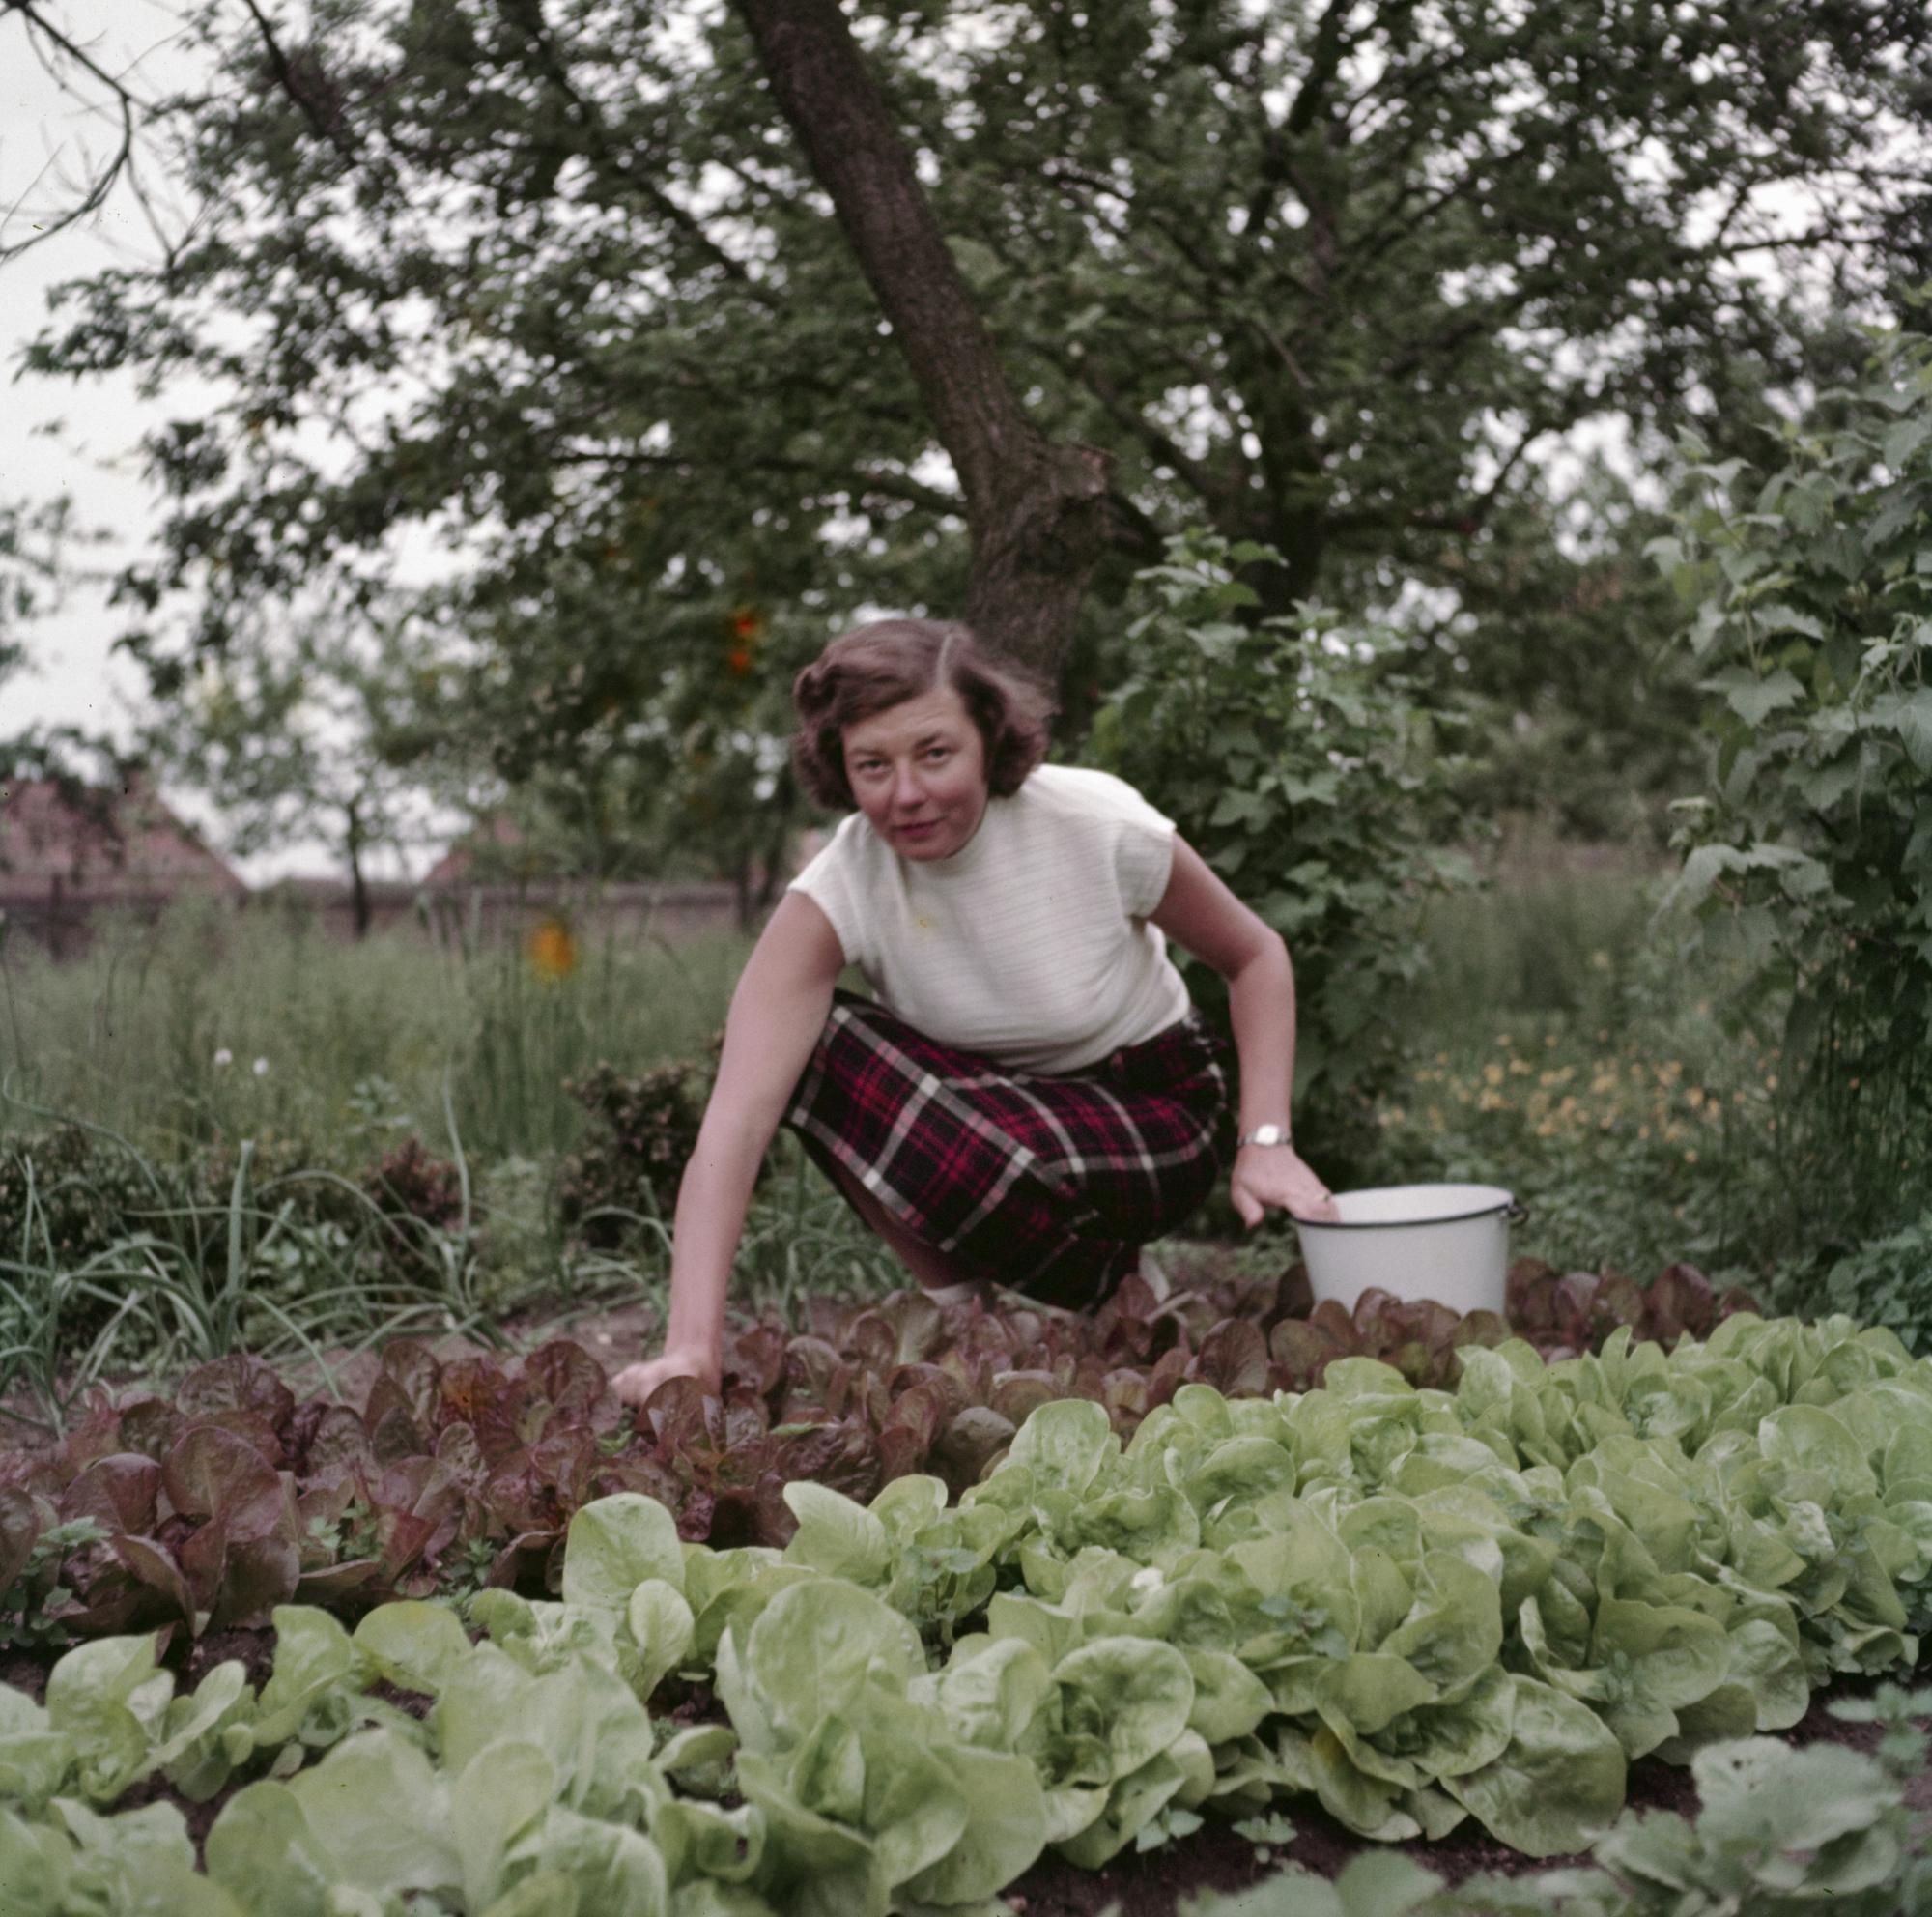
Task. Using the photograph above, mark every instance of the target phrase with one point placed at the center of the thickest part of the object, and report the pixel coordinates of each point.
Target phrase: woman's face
(918, 773)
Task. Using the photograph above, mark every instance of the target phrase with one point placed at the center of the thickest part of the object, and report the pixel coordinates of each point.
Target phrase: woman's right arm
(776, 1015)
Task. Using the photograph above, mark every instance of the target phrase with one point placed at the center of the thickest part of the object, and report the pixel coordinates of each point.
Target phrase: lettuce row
(1417, 1606)
(1779, 1831)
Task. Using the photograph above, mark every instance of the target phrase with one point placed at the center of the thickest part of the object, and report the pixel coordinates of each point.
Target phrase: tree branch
(125, 106)
(528, 18)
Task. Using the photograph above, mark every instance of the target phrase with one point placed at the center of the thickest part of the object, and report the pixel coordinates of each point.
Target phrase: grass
(239, 1078)
(215, 1026)
(1573, 1043)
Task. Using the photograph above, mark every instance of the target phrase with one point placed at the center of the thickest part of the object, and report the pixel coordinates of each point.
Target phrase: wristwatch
(1265, 1134)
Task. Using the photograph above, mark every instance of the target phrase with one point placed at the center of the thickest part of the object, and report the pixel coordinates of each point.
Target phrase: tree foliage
(550, 285)
(35, 544)
(310, 732)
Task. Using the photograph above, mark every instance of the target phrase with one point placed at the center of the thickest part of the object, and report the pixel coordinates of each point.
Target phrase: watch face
(1268, 1134)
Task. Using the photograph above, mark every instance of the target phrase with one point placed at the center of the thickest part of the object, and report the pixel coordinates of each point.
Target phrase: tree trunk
(358, 883)
(1040, 515)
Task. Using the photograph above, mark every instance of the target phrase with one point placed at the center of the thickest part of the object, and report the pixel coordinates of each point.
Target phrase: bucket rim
(1504, 1202)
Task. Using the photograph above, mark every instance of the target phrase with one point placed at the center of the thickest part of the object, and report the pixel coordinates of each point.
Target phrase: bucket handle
(1516, 1213)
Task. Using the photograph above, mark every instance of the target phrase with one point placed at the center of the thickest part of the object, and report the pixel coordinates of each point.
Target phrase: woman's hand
(636, 1383)
(1275, 1176)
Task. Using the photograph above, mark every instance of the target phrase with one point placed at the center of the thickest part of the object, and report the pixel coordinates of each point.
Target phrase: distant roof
(118, 842)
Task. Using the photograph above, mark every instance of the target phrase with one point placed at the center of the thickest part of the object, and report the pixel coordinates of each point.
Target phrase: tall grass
(213, 1025)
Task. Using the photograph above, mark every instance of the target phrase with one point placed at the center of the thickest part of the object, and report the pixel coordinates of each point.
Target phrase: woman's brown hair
(882, 664)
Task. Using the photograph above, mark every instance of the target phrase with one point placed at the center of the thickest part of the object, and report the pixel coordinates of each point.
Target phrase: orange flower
(552, 949)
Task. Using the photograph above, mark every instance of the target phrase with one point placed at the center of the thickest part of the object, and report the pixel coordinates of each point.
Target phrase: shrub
(645, 1129)
(1299, 764)
(1812, 852)
(1886, 1282)
(68, 1194)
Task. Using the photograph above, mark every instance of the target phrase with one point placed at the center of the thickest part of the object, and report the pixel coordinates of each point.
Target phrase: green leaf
(380, 1814)
(315, 1659)
(415, 1645)
(504, 1788)
(612, 1867)
(813, 1648)
(836, 1535)
(662, 1628)
(1557, 1787)
(613, 1544)
(1065, 1444)
(1754, 698)
(260, 1849)
(1133, 1693)
(1005, 1833)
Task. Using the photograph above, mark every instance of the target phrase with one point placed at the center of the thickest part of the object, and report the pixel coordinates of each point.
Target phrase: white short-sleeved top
(1031, 944)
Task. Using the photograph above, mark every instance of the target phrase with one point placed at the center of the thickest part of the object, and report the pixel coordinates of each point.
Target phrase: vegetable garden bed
(1475, 1616)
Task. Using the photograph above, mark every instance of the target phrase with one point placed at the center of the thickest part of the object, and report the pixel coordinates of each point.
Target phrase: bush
(1296, 762)
(1888, 1282)
(68, 1194)
(645, 1129)
(1812, 852)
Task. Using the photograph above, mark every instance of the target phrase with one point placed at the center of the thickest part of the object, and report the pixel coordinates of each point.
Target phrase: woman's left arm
(1199, 913)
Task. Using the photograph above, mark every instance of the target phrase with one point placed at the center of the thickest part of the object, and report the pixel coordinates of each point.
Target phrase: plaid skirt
(1045, 1184)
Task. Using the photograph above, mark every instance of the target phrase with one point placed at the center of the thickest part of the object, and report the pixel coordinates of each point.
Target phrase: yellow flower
(1691, 1155)
(1503, 1038)
(551, 949)
(1694, 1096)
(1493, 1074)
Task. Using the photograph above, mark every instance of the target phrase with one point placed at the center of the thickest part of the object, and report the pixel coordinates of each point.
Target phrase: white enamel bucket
(1445, 1241)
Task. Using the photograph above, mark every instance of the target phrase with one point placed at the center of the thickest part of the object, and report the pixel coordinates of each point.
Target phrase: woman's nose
(906, 792)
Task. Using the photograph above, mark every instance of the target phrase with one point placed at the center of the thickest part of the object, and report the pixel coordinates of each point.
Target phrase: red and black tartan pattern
(1045, 1184)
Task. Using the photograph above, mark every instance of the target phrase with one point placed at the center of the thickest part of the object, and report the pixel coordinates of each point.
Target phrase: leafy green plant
(643, 1132)
(1886, 1282)
(1417, 1607)
(1295, 757)
(1778, 1830)
(1811, 853)
(34, 1590)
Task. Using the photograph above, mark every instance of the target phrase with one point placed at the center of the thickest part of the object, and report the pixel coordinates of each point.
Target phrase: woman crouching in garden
(1032, 1098)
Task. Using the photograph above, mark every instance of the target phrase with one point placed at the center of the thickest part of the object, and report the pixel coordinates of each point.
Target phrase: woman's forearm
(712, 1199)
(1261, 1005)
